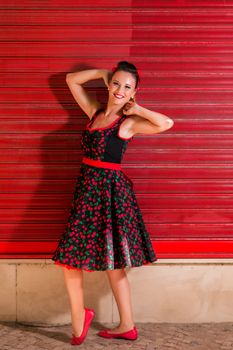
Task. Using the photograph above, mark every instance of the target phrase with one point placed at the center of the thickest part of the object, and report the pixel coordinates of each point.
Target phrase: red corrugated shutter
(183, 177)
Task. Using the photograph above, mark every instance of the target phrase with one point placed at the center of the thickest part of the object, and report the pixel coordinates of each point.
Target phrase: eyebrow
(118, 82)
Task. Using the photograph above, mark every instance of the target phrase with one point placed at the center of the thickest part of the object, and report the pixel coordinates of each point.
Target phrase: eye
(115, 83)
(128, 87)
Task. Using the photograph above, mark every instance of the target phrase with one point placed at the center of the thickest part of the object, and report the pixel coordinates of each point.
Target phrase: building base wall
(183, 290)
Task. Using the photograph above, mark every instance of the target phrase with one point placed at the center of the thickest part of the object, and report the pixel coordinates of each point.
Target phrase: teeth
(119, 96)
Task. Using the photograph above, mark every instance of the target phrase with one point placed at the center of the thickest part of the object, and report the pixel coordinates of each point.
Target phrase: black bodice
(104, 144)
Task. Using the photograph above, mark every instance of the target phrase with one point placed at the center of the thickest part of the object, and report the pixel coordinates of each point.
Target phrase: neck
(112, 109)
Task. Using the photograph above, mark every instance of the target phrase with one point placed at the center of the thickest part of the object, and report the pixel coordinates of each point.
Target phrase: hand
(130, 107)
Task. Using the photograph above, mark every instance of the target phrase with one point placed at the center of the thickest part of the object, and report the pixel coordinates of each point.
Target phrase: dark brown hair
(127, 67)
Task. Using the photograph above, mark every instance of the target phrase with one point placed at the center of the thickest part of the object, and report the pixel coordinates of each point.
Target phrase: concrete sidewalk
(152, 336)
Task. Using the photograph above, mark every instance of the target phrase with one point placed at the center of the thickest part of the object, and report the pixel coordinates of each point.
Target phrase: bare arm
(74, 80)
(150, 122)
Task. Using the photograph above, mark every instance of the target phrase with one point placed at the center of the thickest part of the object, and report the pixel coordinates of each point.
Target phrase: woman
(105, 230)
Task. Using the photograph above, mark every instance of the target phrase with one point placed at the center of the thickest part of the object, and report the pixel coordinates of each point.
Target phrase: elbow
(169, 123)
(71, 78)
(68, 75)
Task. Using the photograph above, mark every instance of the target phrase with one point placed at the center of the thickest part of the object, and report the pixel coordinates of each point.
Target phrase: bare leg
(121, 290)
(74, 285)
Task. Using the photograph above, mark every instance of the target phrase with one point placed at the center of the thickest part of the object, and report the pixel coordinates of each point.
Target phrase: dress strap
(89, 124)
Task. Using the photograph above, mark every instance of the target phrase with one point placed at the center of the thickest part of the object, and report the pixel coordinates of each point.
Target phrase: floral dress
(105, 228)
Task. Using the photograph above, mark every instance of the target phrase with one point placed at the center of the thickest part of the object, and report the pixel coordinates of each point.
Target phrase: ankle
(128, 325)
(78, 313)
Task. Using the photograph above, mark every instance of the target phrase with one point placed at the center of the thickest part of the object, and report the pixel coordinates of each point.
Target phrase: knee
(116, 272)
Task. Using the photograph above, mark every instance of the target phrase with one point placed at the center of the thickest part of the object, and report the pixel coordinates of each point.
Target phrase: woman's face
(122, 87)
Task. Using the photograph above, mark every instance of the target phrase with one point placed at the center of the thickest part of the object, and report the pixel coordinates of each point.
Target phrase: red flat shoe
(89, 315)
(131, 335)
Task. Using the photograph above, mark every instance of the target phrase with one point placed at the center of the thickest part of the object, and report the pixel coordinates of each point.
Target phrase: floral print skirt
(105, 228)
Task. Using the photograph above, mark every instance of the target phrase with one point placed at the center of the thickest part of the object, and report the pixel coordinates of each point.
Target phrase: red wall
(183, 178)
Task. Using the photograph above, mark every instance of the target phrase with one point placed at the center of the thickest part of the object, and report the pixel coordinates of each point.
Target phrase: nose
(120, 91)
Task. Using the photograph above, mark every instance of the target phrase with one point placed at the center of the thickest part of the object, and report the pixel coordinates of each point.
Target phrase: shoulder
(131, 120)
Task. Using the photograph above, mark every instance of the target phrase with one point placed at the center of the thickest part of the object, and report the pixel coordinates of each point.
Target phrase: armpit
(124, 130)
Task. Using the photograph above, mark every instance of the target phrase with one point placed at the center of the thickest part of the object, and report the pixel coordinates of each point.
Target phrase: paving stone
(152, 336)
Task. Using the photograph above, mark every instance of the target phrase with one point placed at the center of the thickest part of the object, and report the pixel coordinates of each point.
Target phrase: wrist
(138, 109)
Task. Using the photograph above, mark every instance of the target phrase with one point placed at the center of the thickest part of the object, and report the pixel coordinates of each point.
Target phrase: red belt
(101, 164)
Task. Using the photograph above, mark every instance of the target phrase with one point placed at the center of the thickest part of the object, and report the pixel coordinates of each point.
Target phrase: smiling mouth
(118, 96)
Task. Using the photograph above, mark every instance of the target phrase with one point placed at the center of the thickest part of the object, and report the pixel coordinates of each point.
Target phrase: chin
(117, 102)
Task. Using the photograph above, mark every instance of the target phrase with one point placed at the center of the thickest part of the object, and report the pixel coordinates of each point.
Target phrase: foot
(79, 339)
(78, 323)
(120, 332)
(121, 329)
